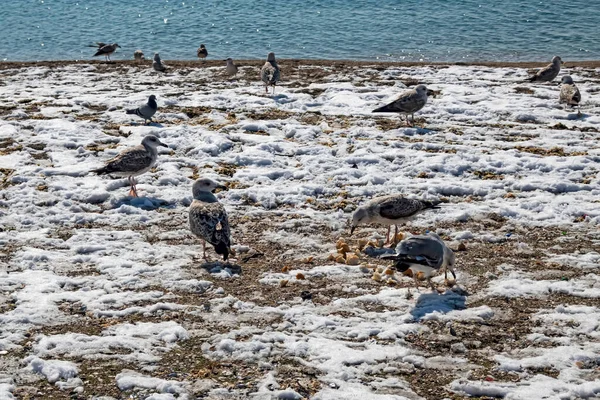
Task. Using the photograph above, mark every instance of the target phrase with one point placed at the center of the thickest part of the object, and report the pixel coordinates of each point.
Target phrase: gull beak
(222, 187)
(162, 144)
(430, 93)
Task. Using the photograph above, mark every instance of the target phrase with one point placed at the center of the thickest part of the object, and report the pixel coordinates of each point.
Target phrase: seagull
(208, 218)
(549, 72)
(409, 102)
(389, 210)
(138, 55)
(202, 52)
(106, 50)
(133, 161)
(569, 94)
(423, 255)
(270, 73)
(231, 69)
(157, 64)
(147, 110)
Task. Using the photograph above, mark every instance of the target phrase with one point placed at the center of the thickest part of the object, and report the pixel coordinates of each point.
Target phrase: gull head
(116, 45)
(205, 185)
(557, 60)
(229, 61)
(421, 90)
(156, 57)
(202, 46)
(152, 142)
(360, 216)
(567, 80)
(271, 56)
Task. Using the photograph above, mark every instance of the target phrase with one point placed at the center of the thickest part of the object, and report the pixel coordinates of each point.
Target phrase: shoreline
(326, 63)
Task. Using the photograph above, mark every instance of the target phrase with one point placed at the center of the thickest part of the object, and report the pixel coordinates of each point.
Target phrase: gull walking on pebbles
(106, 50)
(157, 64)
(270, 73)
(409, 102)
(202, 52)
(208, 218)
(569, 94)
(138, 55)
(549, 72)
(389, 210)
(230, 69)
(133, 161)
(147, 110)
(423, 256)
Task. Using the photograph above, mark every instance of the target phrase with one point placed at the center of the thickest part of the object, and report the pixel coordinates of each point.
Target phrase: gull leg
(132, 191)
(204, 250)
(395, 232)
(387, 236)
(431, 284)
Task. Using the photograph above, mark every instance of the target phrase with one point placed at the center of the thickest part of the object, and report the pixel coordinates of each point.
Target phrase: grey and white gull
(270, 73)
(208, 218)
(138, 55)
(549, 72)
(202, 53)
(147, 110)
(409, 102)
(133, 161)
(424, 256)
(389, 210)
(157, 63)
(569, 93)
(231, 69)
(106, 50)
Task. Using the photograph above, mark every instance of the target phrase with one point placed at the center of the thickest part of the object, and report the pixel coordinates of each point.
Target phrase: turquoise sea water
(409, 30)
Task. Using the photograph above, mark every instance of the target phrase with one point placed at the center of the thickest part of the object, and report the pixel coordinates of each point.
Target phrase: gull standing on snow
(231, 69)
(147, 110)
(157, 64)
(423, 255)
(409, 102)
(270, 73)
(389, 210)
(106, 50)
(202, 52)
(133, 161)
(208, 218)
(549, 72)
(138, 55)
(569, 94)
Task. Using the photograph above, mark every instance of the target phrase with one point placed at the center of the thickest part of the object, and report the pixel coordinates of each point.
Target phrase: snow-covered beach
(102, 294)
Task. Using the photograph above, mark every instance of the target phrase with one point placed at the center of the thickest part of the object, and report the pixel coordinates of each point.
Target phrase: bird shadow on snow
(152, 124)
(443, 303)
(222, 269)
(145, 203)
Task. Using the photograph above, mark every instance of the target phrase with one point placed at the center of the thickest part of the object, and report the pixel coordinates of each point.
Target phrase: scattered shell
(389, 271)
(379, 269)
(450, 282)
(300, 276)
(283, 282)
(285, 268)
(340, 259)
(391, 281)
(462, 247)
(408, 272)
(308, 260)
(362, 243)
(339, 243)
(332, 256)
(352, 259)
(376, 276)
(399, 237)
(509, 195)
(344, 248)
(421, 276)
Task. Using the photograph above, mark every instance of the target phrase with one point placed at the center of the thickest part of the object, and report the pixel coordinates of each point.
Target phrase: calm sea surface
(410, 30)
